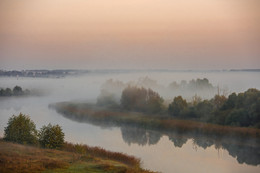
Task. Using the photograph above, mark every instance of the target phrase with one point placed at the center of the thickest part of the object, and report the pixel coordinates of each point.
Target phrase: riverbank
(99, 115)
(16, 158)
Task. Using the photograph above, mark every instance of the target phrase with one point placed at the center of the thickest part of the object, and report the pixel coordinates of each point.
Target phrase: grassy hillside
(16, 158)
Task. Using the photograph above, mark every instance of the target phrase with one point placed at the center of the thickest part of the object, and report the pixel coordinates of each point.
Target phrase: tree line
(242, 109)
(16, 91)
(111, 90)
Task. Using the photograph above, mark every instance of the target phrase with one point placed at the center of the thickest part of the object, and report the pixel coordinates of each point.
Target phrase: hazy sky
(116, 34)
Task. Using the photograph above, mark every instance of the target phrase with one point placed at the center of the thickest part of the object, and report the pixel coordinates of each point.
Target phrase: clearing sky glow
(129, 34)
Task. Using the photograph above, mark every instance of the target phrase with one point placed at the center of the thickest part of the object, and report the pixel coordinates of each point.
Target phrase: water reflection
(245, 150)
(139, 136)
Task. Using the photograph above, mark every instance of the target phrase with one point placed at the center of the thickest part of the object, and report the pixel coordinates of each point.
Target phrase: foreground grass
(96, 115)
(17, 158)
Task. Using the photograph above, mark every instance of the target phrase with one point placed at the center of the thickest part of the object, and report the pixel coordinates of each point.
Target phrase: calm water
(159, 151)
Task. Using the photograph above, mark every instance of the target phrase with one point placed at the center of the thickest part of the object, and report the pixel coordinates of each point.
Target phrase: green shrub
(21, 129)
(51, 136)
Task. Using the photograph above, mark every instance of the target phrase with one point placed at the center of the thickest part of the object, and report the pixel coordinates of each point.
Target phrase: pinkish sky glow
(139, 34)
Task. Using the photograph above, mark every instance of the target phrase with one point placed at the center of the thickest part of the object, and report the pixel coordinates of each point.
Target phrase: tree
(2, 92)
(154, 102)
(239, 109)
(231, 102)
(238, 117)
(133, 98)
(21, 129)
(17, 90)
(8, 92)
(177, 107)
(196, 100)
(174, 85)
(51, 136)
(219, 101)
(107, 98)
(141, 99)
(204, 110)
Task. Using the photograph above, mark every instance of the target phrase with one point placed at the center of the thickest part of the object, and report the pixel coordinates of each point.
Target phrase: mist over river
(158, 152)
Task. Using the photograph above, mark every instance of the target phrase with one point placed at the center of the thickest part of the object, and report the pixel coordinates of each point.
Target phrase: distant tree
(204, 110)
(239, 110)
(250, 97)
(174, 85)
(231, 102)
(51, 136)
(21, 129)
(203, 83)
(251, 105)
(183, 84)
(257, 108)
(240, 100)
(141, 99)
(154, 102)
(17, 90)
(257, 113)
(238, 117)
(219, 101)
(196, 100)
(132, 98)
(178, 106)
(2, 92)
(107, 98)
(8, 92)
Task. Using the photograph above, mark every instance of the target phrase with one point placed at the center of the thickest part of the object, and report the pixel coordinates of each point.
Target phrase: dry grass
(19, 158)
(16, 158)
(102, 153)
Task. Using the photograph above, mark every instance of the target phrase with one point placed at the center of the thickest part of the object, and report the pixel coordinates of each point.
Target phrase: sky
(129, 34)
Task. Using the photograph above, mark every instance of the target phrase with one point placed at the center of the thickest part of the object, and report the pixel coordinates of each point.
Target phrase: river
(158, 151)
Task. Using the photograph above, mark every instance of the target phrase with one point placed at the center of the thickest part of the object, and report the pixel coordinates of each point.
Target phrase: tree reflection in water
(244, 149)
(140, 136)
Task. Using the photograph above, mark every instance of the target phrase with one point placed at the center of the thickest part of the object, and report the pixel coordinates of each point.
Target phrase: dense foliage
(178, 107)
(21, 129)
(17, 91)
(51, 136)
(141, 99)
(241, 109)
